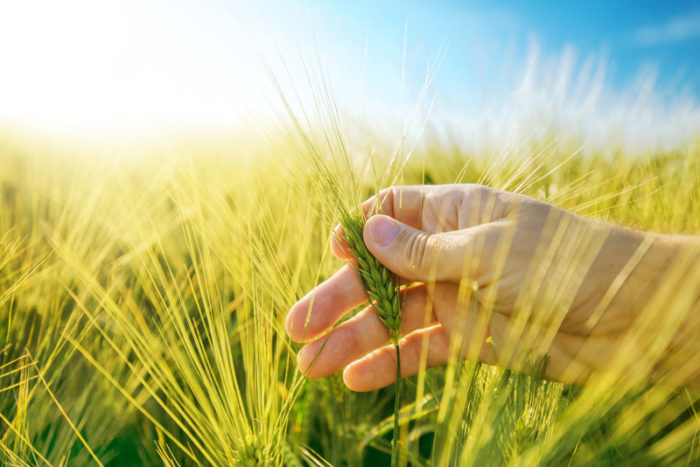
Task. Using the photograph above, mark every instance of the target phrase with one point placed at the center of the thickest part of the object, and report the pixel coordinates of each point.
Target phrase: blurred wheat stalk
(141, 308)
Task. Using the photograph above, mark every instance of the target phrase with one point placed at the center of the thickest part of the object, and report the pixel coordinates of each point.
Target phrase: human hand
(501, 276)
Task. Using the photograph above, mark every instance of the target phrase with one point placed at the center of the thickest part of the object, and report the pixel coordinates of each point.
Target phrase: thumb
(417, 255)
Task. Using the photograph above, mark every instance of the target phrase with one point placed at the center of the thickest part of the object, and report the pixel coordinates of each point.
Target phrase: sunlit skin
(453, 234)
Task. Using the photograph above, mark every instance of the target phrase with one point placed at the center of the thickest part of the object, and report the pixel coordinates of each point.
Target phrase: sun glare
(82, 66)
(87, 68)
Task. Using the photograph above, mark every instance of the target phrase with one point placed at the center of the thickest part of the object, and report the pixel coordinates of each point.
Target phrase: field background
(142, 304)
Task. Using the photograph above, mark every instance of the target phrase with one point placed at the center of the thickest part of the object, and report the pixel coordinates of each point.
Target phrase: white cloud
(576, 99)
(676, 29)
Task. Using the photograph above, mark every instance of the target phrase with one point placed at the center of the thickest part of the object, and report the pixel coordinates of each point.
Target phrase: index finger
(403, 203)
(324, 305)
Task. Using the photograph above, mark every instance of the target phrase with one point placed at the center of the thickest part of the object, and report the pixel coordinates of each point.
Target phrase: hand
(502, 278)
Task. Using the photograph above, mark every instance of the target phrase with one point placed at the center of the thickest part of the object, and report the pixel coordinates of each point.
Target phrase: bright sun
(81, 65)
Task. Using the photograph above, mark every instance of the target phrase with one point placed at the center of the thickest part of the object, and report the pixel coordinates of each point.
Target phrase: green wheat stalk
(382, 287)
(334, 173)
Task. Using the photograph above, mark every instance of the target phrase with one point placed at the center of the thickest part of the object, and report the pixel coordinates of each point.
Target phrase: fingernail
(382, 230)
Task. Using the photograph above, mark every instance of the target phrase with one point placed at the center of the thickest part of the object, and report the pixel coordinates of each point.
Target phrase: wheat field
(142, 306)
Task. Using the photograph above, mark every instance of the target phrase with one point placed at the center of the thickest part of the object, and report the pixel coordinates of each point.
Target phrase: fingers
(404, 203)
(339, 247)
(416, 255)
(439, 212)
(360, 335)
(378, 369)
(325, 304)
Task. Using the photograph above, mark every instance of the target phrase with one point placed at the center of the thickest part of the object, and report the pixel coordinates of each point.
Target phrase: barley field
(142, 308)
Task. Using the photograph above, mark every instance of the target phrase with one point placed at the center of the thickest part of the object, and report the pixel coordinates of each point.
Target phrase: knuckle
(474, 188)
(416, 251)
(476, 193)
(389, 199)
(483, 203)
(382, 201)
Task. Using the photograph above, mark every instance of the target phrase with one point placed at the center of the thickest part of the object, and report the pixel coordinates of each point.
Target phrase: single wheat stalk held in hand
(382, 287)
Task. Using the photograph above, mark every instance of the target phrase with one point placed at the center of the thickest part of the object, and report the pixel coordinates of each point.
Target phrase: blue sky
(628, 70)
(659, 35)
(93, 65)
(665, 33)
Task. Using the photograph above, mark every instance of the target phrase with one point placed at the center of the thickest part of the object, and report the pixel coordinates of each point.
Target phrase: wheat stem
(382, 287)
(397, 408)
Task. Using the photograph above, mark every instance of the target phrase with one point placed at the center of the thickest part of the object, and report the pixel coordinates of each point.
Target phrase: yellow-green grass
(142, 302)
